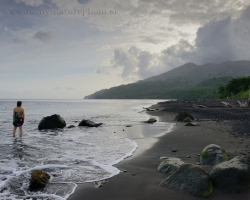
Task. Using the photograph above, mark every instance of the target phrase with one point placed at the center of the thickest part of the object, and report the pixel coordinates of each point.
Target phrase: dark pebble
(133, 174)
(188, 156)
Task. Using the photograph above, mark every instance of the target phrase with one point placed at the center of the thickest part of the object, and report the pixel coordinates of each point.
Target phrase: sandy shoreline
(141, 181)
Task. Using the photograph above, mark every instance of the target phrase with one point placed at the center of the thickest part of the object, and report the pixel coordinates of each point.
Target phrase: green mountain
(187, 81)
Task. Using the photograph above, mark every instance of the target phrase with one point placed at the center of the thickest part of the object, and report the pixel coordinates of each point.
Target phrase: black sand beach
(227, 127)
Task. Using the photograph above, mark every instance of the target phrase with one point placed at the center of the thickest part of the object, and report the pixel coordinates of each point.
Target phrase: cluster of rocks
(230, 175)
(56, 121)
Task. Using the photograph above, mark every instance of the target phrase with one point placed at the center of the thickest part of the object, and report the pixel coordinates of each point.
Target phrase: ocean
(71, 156)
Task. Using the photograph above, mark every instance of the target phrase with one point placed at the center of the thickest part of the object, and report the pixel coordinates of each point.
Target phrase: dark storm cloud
(216, 41)
(223, 40)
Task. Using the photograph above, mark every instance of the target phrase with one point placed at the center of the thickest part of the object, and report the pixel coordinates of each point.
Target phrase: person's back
(18, 118)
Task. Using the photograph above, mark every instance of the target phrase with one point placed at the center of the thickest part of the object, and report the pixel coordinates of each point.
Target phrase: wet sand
(141, 178)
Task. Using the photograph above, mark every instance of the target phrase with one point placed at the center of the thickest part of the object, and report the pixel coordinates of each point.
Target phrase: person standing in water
(18, 118)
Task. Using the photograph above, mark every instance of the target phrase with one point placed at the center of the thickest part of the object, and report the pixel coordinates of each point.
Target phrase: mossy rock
(151, 120)
(232, 175)
(39, 180)
(190, 179)
(169, 165)
(212, 155)
(183, 115)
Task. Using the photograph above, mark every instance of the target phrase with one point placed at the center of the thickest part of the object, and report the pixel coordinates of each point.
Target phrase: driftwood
(227, 104)
(199, 106)
(245, 104)
(148, 109)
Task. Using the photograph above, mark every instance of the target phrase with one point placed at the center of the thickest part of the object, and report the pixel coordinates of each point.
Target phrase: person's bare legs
(14, 131)
(21, 131)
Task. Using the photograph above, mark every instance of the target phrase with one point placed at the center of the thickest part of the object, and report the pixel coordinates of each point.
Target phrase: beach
(139, 178)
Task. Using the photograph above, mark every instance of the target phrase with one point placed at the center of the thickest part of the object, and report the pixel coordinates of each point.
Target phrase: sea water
(69, 156)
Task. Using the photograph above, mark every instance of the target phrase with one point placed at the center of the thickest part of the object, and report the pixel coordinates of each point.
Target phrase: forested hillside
(186, 81)
(237, 87)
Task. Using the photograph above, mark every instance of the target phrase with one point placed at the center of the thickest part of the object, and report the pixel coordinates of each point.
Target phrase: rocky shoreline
(220, 125)
(214, 110)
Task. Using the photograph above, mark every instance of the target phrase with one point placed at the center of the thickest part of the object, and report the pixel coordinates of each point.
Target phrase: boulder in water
(89, 123)
(71, 126)
(151, 120)
(51, 122)
(39, 180)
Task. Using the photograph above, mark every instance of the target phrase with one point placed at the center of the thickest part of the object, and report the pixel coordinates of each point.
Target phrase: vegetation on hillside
(171, 89)
(184, 82)
(237, 87)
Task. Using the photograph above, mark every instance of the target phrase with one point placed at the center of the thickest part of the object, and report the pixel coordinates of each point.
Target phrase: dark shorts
(18, 122)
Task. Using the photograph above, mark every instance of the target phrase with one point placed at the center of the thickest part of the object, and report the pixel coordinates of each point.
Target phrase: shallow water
(70, 156)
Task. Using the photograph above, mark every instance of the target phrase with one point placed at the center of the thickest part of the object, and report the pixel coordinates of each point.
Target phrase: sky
(67, 49)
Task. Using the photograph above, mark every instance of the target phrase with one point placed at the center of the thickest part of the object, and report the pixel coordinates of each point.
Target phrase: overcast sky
(53, 49)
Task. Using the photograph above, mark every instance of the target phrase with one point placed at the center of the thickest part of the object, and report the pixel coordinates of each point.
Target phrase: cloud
(31, 2)
(223, 40)
(43, 36)
(216, 41)
(150, 39)
(103, 70)
(19, 41)
(128, 60)
(83, 1)
(196, 11)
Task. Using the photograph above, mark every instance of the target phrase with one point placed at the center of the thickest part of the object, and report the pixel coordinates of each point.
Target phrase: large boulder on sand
(39, 180)
(169, 165)
(189, 179)
(51, 122)
(232, 175)
(212, 155)
(183, 115)
(89, 123)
